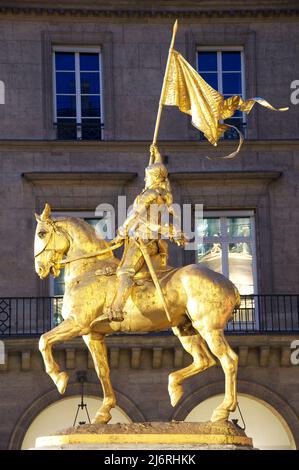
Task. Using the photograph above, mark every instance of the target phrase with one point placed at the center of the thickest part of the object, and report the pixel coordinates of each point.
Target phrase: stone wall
(139, 372)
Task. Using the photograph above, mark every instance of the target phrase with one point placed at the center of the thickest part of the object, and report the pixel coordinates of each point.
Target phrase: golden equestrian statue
(141, 293)
(199, 301)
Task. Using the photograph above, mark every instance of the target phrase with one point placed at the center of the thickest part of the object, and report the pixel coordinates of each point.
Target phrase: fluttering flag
(207, 107)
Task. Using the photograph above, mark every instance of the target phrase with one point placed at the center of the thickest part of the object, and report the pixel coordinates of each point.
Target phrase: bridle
(54, 230)
(65, 261)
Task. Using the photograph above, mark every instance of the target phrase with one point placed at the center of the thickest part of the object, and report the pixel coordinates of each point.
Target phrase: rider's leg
(131, 264)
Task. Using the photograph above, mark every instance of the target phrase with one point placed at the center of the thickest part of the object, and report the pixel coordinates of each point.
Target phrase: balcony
(89, 129)
(258, 314)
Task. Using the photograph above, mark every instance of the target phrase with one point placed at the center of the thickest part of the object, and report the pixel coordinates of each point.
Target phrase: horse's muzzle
(41, 270)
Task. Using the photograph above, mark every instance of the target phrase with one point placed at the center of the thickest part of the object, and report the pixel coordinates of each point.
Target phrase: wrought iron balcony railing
(74, 131)
(258, 314)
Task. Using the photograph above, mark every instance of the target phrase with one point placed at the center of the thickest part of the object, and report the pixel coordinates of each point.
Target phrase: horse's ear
(37, 217)
(46, 212)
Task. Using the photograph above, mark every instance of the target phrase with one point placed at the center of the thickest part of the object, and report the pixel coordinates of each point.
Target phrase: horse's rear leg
(229, 362)
(202, 360)
(67, 329)
(98, 351)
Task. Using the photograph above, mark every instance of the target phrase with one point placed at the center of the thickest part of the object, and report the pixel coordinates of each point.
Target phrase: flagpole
(175, 28)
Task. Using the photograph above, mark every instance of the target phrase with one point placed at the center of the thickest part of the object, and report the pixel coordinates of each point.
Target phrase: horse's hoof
(61, 382)
(175, 394)
(220, 415)
(101, 418)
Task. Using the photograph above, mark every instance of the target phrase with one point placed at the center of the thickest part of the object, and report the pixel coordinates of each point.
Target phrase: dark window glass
(65, 82)
(90, 83)
(207, 61)
(65, 60)
(232, 84)
(231, 133)
(91, 129)
(90, 106)
(211, 79)
(231, 61)
(66, 129)
(89, 61)
(66, 106)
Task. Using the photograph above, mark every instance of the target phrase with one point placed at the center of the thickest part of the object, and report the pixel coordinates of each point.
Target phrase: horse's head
(50, 244)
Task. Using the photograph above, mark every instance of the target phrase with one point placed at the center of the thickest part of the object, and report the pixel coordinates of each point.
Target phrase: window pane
(89, 61)
(90, 106)
(211, 79)
(231, 61)
(207, 61)
(66, 129)
(91, 129)
(65, 60)
(59, 284)
(65, 82)
(210, 255)
(66, 106)
(232, 83)
(239, 226)
(90, 83)
(231, 133)
(208, 227)
(240, 267)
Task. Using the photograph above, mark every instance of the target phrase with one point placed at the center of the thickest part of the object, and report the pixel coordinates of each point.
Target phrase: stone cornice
(266, 350)
(224, 175)
(16, 8)
(189, 146)
(48, 176)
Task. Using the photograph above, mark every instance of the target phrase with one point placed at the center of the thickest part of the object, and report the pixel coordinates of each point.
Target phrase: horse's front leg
(67, 329)
(97, 347)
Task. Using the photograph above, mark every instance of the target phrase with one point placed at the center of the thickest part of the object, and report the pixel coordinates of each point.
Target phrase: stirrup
(115, 315)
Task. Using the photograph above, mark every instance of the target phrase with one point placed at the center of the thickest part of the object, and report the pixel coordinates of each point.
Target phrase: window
(77, 93)
(2, 92)
(224, 71)
(57, 283)
(228, 247)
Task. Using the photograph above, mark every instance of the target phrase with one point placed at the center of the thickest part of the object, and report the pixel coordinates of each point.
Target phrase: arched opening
(264, 424)
(61, 414)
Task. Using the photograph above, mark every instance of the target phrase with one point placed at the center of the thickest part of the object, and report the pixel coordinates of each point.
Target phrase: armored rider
(139, 224)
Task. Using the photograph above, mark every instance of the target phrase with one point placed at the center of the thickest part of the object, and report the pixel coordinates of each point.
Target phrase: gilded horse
(200, 301)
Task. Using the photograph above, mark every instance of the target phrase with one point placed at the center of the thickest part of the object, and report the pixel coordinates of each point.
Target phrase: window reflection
(240, 267)
(238, 226)
(210, 255)
(209, 227)
(227, 247)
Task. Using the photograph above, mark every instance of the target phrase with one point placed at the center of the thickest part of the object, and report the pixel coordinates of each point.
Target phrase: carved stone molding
(185, 13)
(253, 351)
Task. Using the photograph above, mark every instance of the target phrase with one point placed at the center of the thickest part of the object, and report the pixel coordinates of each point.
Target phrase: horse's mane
(73, 223)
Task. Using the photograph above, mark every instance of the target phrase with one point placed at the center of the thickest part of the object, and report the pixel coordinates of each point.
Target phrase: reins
(63, 262)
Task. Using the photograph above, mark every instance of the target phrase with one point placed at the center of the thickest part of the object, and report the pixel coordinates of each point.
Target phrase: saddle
(159, 265)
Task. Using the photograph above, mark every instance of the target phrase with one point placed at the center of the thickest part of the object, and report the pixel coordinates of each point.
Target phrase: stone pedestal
(149, 436)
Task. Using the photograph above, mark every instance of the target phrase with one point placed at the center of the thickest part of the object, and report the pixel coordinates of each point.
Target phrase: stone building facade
(40, 165)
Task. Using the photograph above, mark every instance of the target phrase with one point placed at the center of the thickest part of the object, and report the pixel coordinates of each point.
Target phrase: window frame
(219, 50)
(226, 240)
(77, 50)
